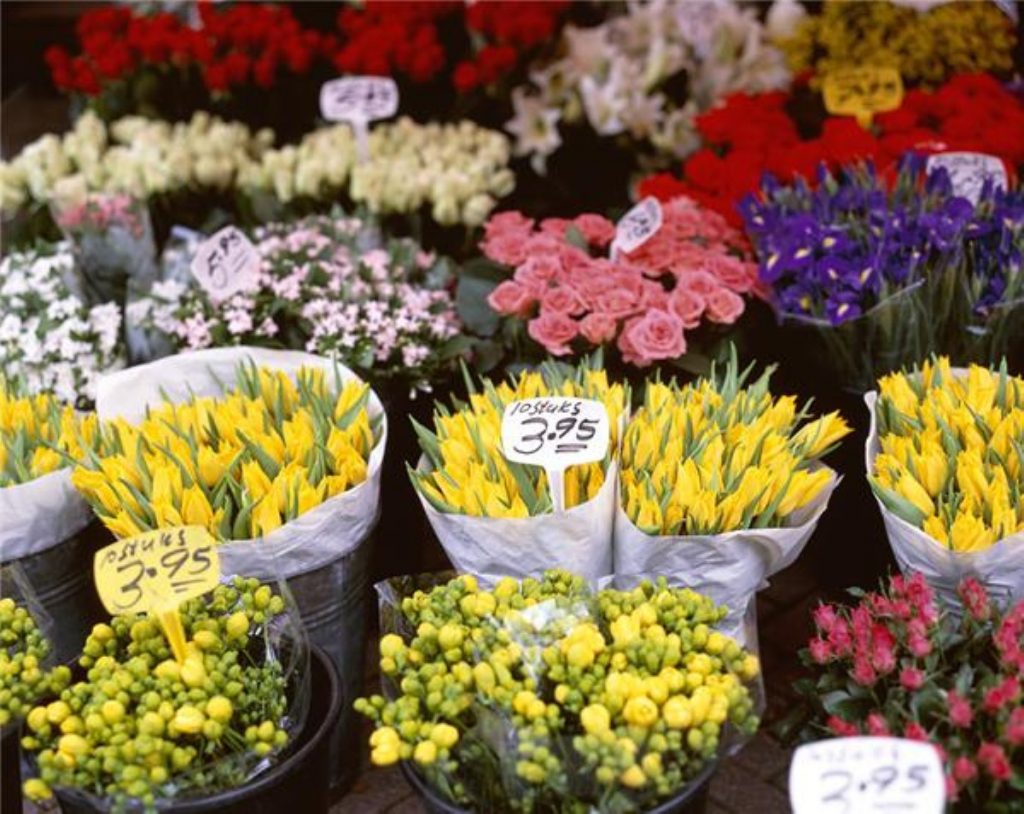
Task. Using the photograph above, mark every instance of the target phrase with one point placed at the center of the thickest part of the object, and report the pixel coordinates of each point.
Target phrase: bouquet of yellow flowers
(497, 517)
(721, 474)
(37, 432)
(240, 464)
(946, 463)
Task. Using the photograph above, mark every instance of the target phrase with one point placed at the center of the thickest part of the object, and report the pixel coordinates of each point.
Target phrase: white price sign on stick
(637, 226)
(226, 264)
(359, 100)
(867, 775)
(968, 172)
(555, 432)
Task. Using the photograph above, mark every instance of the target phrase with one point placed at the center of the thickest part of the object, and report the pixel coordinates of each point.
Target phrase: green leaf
(471, 304)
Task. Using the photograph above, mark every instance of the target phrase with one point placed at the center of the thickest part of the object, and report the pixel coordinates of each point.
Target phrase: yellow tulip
(195, 508)
(908, 487)
(265, 516)
(968, 533)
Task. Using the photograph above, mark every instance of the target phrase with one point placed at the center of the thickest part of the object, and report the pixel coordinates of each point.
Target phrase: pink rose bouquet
(898, 664)
(573, 296)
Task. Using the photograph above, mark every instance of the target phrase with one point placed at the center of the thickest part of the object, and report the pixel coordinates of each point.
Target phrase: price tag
(637, 226)
(555, 432)
(226, 264)
(155, 572)
(968, 172)
(862, 92)
(359, 100)
(865, 775)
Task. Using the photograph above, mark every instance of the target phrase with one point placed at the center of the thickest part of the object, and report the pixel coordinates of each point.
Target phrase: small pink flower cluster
(695, 265)
(99, 212)
(955, 684)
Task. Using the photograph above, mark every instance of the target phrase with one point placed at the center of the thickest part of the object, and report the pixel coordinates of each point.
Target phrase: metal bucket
(60, 578)
(333, 602)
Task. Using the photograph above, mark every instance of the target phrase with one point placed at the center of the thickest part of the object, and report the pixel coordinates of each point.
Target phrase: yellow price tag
(863, 92)
(155, 572)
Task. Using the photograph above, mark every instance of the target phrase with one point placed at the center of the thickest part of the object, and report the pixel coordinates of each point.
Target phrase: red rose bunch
(563, 283)
(895, 664)
(247, 42)
(478, 42)
(749, 135)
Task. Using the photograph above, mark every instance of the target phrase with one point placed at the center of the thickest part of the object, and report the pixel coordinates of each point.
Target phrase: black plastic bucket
(10, 764)
(299, 783)
(692, 800)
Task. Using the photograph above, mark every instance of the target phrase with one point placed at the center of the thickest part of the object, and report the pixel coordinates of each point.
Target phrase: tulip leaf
(898, 504)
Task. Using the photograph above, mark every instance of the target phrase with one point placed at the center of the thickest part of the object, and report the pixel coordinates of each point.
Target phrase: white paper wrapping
(730, 568)
(578, 540)
(1000, 567)
(321, 535)
(37, 515)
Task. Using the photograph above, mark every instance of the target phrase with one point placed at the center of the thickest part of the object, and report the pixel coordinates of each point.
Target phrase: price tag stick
(155, 572)
(556, 485)
(361, 130)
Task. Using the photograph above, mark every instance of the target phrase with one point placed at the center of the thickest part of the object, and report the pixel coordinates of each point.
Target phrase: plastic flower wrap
(623, 78)
(747, 135)
(547, 695)
(895, 664)
(456, 172)
(39, 434)
(889, 272)
(49, 338)
(721, 486)
(944, 462)
(926, 45)
(327, 287)
(240, 464)
(695, 269)
(482, 505)
(140, 728)
(24, 675)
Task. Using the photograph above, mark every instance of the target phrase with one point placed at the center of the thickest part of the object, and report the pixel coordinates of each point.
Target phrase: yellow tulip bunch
(240, 464)
(709, 458)
(468, 474)
(952, 452)
(36, 433)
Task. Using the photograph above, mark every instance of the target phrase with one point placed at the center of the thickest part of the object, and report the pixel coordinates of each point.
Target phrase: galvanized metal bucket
(61, 585)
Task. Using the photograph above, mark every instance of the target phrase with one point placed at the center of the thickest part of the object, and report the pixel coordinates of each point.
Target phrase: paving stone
(737, 789)
(791, 585)
(410, 805)
(764, 756)
(375, 790)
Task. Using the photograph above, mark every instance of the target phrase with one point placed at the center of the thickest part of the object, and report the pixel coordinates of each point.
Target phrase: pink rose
(562, 299)
(655, 335)
(536, 274)
(732, 272)
(686, 258)
(554, 331)
(508, 223)
(507, 249)
(724, 306)
(599, 328)
(511, 298)
(555, 226)
(687, 305)
(616, 302)
(598, 230)
(699, 282)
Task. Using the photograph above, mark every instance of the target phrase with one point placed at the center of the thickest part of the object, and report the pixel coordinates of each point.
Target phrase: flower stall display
(49, 338)
(456, 172)
(748, 135)
(24, 654)
(721, 486)
(642, 76)
(943, 459)
(898, 664)
(139, 728)
(42, 518)
(887, 272)
(547, 695)
(927, 45)
(694, 269)
(324, 286)
(495, 517)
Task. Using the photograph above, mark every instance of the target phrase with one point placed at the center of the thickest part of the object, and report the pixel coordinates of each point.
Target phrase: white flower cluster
(133, 155)
(457, 170)
(615, 76)
(382, 309)
(48, 337)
